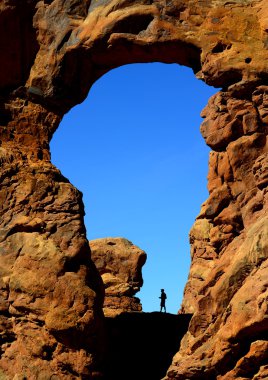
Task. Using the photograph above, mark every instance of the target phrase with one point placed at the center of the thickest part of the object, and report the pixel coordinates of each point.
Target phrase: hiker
(163, 298)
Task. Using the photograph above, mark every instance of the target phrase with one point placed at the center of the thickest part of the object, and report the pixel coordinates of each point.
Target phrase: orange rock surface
(51, 294)
(119, 263)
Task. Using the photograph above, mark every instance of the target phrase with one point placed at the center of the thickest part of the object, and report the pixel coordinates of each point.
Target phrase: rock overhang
(69, 45)
(223, 42)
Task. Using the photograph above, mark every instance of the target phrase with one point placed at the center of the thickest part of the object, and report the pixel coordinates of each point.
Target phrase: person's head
(162, 290)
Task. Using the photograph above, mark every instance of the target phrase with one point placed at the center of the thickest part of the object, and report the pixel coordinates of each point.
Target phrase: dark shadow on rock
(141, 345)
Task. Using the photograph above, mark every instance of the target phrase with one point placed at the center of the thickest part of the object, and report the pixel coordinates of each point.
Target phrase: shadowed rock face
(142, 345)
(119, 263)
(51, 293)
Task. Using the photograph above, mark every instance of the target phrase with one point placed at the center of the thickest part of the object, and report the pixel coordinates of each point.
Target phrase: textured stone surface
(119, 263)
(224, 42)
(49, 309)
(227, 287)
(51, 295)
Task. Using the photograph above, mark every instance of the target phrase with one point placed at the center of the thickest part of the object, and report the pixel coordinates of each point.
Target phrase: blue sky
(134, 149)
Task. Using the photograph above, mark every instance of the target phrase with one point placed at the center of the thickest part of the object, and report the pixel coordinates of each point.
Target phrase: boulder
(119, 263)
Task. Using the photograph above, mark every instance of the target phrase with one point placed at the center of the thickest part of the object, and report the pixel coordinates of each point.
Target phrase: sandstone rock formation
(49, 309)
(51, 296)
(119, 263)
(227, 286)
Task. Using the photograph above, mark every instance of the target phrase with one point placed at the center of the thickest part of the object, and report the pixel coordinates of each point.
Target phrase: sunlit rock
(52, 51)
(119, 263)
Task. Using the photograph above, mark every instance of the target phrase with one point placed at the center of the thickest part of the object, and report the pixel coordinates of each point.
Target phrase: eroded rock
(51, 295)
(228, 297)
(119, 263)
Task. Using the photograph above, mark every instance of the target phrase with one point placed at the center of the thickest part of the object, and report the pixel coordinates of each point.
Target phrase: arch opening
(134, 149)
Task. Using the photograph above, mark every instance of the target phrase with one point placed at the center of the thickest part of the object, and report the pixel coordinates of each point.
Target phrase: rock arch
(51, 294)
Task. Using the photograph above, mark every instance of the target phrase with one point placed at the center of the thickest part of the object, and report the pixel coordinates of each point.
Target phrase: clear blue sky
(134, 149)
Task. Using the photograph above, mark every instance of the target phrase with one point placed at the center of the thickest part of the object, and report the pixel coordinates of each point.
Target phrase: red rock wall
(51, 296)
(227, 286)
(50, 312)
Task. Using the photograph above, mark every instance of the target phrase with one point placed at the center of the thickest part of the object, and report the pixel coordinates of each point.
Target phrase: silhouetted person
(163, 298)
